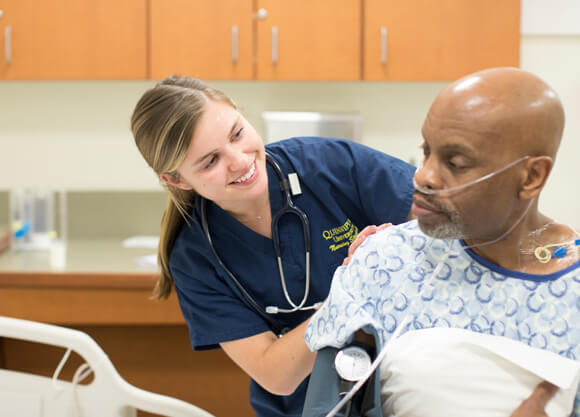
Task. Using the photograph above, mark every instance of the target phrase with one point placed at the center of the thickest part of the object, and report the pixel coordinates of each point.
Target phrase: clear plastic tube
(452, 190)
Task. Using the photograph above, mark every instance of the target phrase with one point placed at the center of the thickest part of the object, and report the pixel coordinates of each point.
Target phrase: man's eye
(456, 162)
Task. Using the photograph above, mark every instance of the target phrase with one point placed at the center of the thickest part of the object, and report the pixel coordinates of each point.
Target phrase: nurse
(217, 244)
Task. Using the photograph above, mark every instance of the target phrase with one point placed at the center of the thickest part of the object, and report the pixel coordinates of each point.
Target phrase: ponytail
(176, 213)
(163, 124)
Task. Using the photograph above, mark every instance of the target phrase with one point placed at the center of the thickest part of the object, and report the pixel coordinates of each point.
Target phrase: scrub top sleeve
(385, 185)
(372, 186)
(213, 313)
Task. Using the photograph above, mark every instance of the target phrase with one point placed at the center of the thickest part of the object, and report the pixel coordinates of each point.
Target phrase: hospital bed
(106, 395)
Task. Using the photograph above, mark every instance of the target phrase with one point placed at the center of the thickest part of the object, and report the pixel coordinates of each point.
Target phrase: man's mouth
(421, 207)
(424, 205)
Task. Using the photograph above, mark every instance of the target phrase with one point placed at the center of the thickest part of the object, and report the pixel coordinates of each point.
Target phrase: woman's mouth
(248, 176)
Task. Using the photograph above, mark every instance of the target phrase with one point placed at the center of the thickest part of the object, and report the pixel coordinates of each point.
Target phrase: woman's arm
(279, 365)
(535, 404)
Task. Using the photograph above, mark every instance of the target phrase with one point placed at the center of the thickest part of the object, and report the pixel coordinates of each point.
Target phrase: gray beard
(451, 229)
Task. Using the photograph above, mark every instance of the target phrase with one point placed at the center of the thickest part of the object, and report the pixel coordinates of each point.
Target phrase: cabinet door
(208, 39)
(73, 39)
(438, 40)
(309, 40)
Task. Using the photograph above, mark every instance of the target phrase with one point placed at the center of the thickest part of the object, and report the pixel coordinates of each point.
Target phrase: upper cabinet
(279, 40)
(256, 39)
(73, 39)
(438, 40)
(208, 39)
(308, 40)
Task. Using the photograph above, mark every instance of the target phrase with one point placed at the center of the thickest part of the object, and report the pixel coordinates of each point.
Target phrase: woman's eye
(238, 133)
(211, 162)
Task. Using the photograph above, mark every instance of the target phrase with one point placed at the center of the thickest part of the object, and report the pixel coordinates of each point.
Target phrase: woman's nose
(237, 160)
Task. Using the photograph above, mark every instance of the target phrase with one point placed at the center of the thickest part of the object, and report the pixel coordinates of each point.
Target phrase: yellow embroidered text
(341, 236)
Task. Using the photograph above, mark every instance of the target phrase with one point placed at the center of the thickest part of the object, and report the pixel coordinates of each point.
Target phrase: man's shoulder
(405, 244)
(408, 233)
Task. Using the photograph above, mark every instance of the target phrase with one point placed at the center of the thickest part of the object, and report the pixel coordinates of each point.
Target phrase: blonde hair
(163, 124)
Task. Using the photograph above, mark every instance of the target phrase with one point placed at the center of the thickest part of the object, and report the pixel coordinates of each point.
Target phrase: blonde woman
(252, 235)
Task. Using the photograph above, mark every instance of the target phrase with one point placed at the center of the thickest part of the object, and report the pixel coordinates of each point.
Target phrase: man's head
(476, 126)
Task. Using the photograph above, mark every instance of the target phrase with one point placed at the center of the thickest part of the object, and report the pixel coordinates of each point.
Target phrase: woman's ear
(174, 180)
(537, 171)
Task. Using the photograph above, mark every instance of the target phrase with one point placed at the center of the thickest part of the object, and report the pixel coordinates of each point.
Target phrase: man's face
(459, 149)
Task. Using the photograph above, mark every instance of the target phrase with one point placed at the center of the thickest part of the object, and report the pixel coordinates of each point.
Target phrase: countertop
(79, 263)
(91, 281)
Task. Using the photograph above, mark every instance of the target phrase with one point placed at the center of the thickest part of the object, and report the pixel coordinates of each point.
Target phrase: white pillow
(445, 372)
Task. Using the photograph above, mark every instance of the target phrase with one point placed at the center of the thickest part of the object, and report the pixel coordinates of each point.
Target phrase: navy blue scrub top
(345, 187)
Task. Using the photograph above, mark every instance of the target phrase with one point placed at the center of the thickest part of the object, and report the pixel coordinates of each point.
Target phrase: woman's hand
(535, 404)
(360, 238)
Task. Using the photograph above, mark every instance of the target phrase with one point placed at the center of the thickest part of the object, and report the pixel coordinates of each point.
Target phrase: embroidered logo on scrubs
(341, 236)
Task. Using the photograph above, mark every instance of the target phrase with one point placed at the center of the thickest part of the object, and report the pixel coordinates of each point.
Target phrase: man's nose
(427, 175)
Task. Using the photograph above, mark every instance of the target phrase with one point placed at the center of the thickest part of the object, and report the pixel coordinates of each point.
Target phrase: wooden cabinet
(438, 40)
(395, 40)
(73, 39)
(147, 341)
(207, 39)
(309, 40)
(229, 40)
(256, 39)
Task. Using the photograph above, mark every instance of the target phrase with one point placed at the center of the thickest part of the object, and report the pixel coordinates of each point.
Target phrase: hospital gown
(400, 274)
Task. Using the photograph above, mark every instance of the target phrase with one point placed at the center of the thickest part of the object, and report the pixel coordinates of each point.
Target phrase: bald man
(477, 302)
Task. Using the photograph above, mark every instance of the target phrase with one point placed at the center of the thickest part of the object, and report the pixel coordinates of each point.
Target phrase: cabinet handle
(8, 45)
(383, 45)
(235, 44)
(274, 44)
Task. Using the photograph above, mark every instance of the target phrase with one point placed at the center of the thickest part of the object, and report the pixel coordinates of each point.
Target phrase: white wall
(76, 134)
(557, 60)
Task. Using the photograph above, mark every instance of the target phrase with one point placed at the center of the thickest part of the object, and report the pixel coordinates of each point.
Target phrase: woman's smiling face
(226, 160)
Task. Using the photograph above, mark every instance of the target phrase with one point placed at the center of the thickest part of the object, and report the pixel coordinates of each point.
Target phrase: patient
(478, 301)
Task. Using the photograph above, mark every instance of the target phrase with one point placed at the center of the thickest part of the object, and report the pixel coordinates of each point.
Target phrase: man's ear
(174, 180)
(537, 171)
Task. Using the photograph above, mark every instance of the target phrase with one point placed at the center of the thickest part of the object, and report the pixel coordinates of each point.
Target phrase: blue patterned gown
(401, 274)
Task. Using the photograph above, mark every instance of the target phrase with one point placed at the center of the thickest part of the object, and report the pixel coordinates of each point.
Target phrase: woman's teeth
(248, 175)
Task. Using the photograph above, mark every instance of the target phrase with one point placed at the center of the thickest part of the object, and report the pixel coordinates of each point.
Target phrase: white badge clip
(294, 184)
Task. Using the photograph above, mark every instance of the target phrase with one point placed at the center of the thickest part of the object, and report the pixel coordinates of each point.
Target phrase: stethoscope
(289, 187)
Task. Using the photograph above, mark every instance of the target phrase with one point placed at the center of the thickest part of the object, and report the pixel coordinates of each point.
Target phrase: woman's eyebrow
(232, 129)
(200, 160)
(236, 122)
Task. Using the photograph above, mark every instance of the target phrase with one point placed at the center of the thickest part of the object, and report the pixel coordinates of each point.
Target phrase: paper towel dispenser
(282, 125)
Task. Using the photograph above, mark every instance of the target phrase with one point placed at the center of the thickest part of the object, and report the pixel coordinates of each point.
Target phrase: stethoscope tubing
(246, 297)
(287, 208)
